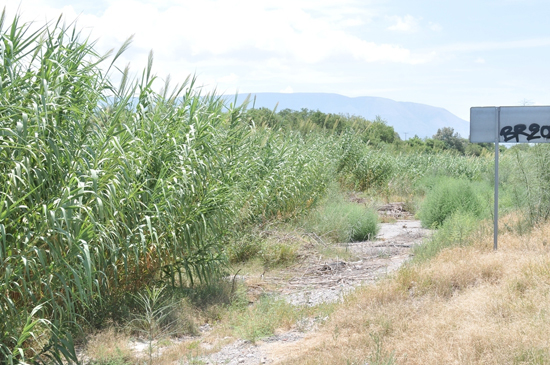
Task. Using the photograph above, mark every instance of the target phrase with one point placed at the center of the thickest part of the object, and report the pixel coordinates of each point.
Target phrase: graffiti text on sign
(535, 131)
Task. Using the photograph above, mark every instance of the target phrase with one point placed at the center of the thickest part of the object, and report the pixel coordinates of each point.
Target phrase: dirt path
(315, 281)
(321, 281)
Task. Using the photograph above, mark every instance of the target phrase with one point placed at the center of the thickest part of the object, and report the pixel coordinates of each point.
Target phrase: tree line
(375, 132)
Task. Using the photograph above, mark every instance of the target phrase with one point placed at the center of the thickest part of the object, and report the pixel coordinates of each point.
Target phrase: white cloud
(239, 44)
(304, 31)
(479, 60)
(435, 27)
(231, 78)
(408, 23)
(352, 22)
(491, 46)
(287, 90)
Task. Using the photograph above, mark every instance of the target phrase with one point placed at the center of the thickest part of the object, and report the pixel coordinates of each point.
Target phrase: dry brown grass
(468, 305)
(109, 347)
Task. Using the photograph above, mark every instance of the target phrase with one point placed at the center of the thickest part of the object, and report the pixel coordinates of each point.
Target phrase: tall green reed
(525, 179)
(108, 189)
(364, 167)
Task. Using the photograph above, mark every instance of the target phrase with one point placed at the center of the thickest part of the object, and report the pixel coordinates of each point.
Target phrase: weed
(379, 356)
(263, 318)
(535, 356)
(278, 253)
(335, 333)
(456, 230)
(341, 221)
(216, 293)
(243, 248)
(154, 320)
(449, 196)
(387, 219)
(109, 347)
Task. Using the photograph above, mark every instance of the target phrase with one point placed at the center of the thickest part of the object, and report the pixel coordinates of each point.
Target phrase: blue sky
(450, 54)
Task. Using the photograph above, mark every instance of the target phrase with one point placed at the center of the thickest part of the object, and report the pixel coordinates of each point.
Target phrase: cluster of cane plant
(524, 177)
(107, 189)
(364, 167)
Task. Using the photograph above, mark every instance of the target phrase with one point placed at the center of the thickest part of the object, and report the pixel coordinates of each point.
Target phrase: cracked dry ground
(316, 280)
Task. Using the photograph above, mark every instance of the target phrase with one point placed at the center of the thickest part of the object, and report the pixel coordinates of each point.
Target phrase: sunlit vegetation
(108, 189)
(118, 201)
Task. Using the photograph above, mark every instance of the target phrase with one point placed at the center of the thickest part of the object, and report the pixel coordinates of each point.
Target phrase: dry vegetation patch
(109, 347)
(468, 305)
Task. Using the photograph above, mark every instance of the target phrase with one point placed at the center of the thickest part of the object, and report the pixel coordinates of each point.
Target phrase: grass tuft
(448, 196)
(457, 230)
(109, 347)
(263, 318)
(339, 221)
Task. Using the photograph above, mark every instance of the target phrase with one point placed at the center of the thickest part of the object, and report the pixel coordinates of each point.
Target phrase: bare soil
(316, 280)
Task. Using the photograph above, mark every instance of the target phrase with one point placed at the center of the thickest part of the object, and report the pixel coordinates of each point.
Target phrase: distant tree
(416, 142)
(357, 123)
(263, 116)
(306, 121)
(526, 102)
(450, 138)
(379, 131)
(435, 144)
(477, 149)
(473, 149)
(333, 122)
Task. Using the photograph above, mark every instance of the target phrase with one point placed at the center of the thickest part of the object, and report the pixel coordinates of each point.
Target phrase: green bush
(341, 221)
(363, 223)
(447, 197)
(456, 230)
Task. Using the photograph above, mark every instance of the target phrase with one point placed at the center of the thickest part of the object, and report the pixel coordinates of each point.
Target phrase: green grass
(381, 171)
(269, 313)
(457, 230)
(263, 318)
(532, 356)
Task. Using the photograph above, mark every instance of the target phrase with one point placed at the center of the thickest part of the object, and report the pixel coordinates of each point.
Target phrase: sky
(449, 54)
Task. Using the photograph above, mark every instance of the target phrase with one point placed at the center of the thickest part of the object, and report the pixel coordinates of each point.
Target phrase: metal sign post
(497, 151)
(509, 124)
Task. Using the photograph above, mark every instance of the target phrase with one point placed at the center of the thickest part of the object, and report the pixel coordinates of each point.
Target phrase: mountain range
(408, 119)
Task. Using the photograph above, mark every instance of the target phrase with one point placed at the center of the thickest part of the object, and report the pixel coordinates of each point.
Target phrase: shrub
(342, 221)
(456, 230)
(447, 197)
(279, 253)
(363, 222)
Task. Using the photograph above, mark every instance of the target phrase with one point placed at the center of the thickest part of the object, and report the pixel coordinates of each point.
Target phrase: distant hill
(405, 117)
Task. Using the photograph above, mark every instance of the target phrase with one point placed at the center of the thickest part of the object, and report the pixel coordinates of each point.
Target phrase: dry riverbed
(315, 280)
(324, 273)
